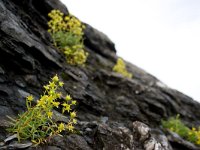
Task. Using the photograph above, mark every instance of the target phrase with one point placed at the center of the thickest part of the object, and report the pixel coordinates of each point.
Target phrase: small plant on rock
(120, 67)
(67, 35)
(36, 123)
(174, 124)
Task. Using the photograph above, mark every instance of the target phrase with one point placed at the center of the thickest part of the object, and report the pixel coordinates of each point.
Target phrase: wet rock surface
(108, 103)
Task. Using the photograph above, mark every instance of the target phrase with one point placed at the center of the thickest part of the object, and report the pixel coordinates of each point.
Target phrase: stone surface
(108, 103)
(179, 143)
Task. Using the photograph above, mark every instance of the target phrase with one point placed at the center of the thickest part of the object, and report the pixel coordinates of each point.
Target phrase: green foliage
(120, 67)
(37, 123)
(65, 38)
(174, 124)
(67, 35)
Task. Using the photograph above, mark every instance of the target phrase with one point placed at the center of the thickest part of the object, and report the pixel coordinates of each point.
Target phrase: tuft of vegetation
(120, 67)
(174, 124)
(36, 123)
(67, 34)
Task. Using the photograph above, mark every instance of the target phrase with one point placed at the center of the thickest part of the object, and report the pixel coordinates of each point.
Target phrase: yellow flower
(59, 95)
(55, 78)
(193, 129)
(52, 84)
(61, 84)
(65, 104)
(61, 127)
(41, 103)
(68, 98)
(52, 91)
(120, 67)
(73, 114)
(190, 133)
(49, 114)
(70, 127)
(30, 98)
(83, 26)
(73, 102)
(56, 104)
(66, 107)
(46, 87)
(74, 121)
(67, 18)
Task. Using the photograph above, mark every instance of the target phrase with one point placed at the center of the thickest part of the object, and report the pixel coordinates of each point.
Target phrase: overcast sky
(159, 36)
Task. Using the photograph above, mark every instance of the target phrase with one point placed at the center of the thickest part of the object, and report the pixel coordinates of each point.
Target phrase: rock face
(113, 112)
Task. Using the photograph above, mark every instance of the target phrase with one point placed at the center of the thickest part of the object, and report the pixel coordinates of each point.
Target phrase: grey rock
(5, 111)
(23, 93)
(99, 42)
(142, 129)
(17, 145)
(32, 80)
(14, 136)
(59, 117)
(20, 83)
(178, 141)
(150, 144)
(160, 137)
(107, 103)
(2, 144)
(44, 148)
(158, 147)
(104, 119)
(145, 137)
(1, 70)
(113, 138)
(2, 80)
(70, 142)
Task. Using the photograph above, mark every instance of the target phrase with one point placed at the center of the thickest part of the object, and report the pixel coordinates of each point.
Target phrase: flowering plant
(37, 123)
(174, 124)
(67, 35)
(120, 67)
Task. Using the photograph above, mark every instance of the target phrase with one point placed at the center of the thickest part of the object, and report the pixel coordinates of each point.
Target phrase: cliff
(113, 112)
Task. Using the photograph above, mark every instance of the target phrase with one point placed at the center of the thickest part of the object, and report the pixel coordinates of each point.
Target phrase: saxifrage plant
(67, 34)
(174, 124)
(120, 67)
(36, 124)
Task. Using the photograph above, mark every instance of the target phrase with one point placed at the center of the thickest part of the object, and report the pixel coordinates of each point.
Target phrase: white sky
(159, 36)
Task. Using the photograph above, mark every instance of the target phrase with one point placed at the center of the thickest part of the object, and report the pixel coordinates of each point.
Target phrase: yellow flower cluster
(194, 136)
(67, 34)
(37, 123)
(176, 125)
(74, 25)
(120, 67)
(78, 57)
(56, 23)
